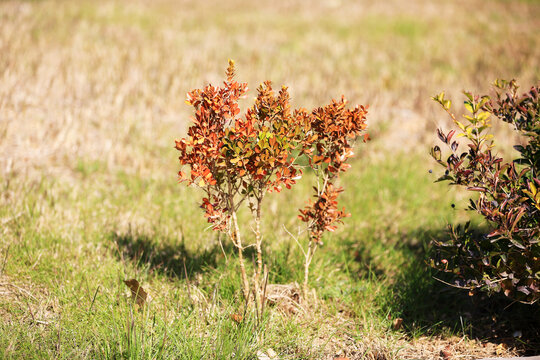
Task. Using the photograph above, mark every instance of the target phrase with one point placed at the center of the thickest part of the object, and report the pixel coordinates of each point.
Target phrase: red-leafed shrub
(237, 159)
(329, 144)
(507, 258)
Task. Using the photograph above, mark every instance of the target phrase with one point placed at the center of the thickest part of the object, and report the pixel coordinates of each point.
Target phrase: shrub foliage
(507, 258)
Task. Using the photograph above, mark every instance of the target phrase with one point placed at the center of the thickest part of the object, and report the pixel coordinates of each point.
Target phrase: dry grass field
(107, 80)
(91, 99)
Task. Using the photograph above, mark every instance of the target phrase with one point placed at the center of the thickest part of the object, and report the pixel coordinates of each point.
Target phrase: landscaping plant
(507, 257)
(332, 129)
(236, 160)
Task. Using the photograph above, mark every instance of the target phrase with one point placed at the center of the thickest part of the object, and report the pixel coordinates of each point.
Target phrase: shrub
(237, 160)
(506, 258)
(332, 129)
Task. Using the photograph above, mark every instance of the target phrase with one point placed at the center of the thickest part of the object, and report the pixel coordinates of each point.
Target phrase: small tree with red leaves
(237, 160)
(328, 145)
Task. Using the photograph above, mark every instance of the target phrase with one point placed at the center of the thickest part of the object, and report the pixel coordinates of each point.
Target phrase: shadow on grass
(430, 307)
(167, 256)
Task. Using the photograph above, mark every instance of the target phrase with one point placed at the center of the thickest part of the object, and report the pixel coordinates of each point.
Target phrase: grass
(91, 99)
(73, 244)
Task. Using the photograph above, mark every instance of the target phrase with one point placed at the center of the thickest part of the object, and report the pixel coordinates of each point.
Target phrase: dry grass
(106, 80)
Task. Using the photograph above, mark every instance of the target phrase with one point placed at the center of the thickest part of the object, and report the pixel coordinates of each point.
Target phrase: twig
(222, 249)
(30, 310)
(512, 303)
(453, 285)
(295, 239)
(23, 291)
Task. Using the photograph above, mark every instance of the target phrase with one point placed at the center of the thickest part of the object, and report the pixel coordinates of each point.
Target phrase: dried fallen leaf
(396, 325)
(137, 292)
(500, 349)
(446, 354)
(341, 358)
(237, 318)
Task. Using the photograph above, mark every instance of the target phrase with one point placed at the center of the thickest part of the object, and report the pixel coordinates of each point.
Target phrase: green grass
(74, 243)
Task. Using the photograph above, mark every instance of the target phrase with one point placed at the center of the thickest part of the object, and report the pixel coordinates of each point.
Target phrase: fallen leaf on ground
(500, 349)
(137, 292)
(446, 354)
(396, 325)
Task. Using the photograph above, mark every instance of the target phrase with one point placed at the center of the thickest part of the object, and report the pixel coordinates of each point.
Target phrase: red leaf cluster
(332, 130)
(323, 214)
(203, 149)
(328, 145)
(232, 156)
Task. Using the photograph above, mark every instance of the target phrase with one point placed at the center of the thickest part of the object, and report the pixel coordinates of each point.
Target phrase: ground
(91, 100)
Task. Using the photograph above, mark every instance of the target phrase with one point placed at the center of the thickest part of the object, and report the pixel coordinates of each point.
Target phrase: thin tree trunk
(258, 247)
(238, 243)
(312, 247)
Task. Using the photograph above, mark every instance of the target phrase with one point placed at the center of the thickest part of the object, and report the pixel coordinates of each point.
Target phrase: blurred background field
(91, 99)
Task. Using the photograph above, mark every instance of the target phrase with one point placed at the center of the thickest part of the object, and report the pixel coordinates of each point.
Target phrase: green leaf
(469, 107)
(484, 100)
(483, 116)
(438, 98)
(460, 125)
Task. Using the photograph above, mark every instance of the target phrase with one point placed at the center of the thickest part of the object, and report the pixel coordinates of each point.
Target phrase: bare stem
(258, 238)
(312, 247)
(258, 247)
(237, 241)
